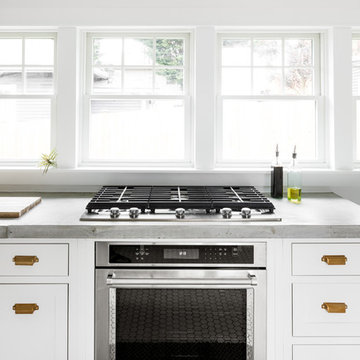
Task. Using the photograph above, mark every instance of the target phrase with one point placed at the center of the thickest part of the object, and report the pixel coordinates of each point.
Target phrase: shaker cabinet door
(33, 322)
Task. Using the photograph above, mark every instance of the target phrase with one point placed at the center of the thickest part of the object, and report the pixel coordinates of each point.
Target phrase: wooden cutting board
(14, 207)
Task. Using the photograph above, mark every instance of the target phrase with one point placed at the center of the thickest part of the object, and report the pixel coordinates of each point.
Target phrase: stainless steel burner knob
(134, 212)
(114, 212)
(246, 213)
(226, 213)
(180, 213)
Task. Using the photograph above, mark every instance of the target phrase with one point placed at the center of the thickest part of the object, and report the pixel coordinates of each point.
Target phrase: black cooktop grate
(172, 197)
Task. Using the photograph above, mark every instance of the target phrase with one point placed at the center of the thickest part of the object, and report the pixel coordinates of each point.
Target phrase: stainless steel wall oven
(165, 301)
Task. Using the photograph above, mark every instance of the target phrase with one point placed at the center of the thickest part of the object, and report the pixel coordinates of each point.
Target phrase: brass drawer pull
(334, 307)
(25, 308)
(25, 260)
(334, 259)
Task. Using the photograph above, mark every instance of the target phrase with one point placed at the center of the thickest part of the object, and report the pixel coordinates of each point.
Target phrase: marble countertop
(320, 215)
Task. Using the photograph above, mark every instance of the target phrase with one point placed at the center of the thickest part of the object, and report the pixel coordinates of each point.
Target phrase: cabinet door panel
(41, 335)
(320, 259)
(34, 259)
(311, 319)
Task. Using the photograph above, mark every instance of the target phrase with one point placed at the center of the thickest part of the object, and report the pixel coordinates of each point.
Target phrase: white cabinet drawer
(41, 335)
(312, 259)
(34, 259)
(310, 319)
(326, 352)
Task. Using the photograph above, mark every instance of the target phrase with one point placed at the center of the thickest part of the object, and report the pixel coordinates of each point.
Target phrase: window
(137, 101)
(356, 90)
(26, 96)
(269, 93)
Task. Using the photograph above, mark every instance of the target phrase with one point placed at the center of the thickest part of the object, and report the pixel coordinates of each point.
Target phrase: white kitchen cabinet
(326, 259)
(34, 259)
(41, 335)
(322, 299)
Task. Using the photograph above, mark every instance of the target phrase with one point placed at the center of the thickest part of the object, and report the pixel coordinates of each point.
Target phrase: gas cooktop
(179, 203)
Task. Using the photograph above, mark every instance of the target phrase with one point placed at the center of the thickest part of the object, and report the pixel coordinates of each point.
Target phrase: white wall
(349, 192)
(242, 13)
(180, 12)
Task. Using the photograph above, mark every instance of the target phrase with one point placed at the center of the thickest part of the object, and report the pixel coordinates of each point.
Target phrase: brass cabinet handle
(334, 259)
(25, 260)
(334, 307)
(25, 308)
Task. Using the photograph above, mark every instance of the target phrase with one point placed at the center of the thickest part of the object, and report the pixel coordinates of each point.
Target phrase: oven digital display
(176, 254)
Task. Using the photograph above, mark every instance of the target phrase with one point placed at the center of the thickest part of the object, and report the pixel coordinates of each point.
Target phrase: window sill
(172, 170)
(91, 179)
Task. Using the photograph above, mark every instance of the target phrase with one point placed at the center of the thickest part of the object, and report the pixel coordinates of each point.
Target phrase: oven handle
(250, 280)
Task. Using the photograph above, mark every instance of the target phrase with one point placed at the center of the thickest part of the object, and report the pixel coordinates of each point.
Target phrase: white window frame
(52, 97)
(88, 95)
(321, 125)
(69, 82)
(356, 36)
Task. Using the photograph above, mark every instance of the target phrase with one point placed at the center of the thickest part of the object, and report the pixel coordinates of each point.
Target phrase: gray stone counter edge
(158, 231)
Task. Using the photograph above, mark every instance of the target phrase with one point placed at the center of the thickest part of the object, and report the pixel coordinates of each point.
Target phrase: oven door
(180, 314)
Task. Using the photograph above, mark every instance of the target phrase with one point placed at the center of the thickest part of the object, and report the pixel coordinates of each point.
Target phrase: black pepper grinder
(277, 177)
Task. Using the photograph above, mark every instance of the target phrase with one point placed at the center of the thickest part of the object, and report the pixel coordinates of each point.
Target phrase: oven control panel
(181, 254)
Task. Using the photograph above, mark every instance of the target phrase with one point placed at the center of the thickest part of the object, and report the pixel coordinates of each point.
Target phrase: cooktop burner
(185, 202)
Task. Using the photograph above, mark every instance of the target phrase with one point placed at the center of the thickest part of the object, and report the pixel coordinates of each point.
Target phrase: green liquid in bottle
(294, 181)
(294, 195)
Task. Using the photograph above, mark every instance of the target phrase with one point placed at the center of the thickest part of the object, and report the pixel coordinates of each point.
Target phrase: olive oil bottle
(294, 180)
(277, 177)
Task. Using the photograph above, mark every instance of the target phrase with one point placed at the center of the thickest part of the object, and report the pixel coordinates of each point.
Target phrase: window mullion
(23, 65)
(205, 97)
(123, 63)
(67, 86)
(252, 64)
(153, 65)
(283, 64)
(356, 137)
(86, 110)
(341, 109)
(356, 103)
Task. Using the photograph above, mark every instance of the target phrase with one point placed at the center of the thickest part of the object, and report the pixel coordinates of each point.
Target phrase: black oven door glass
(182, 324)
